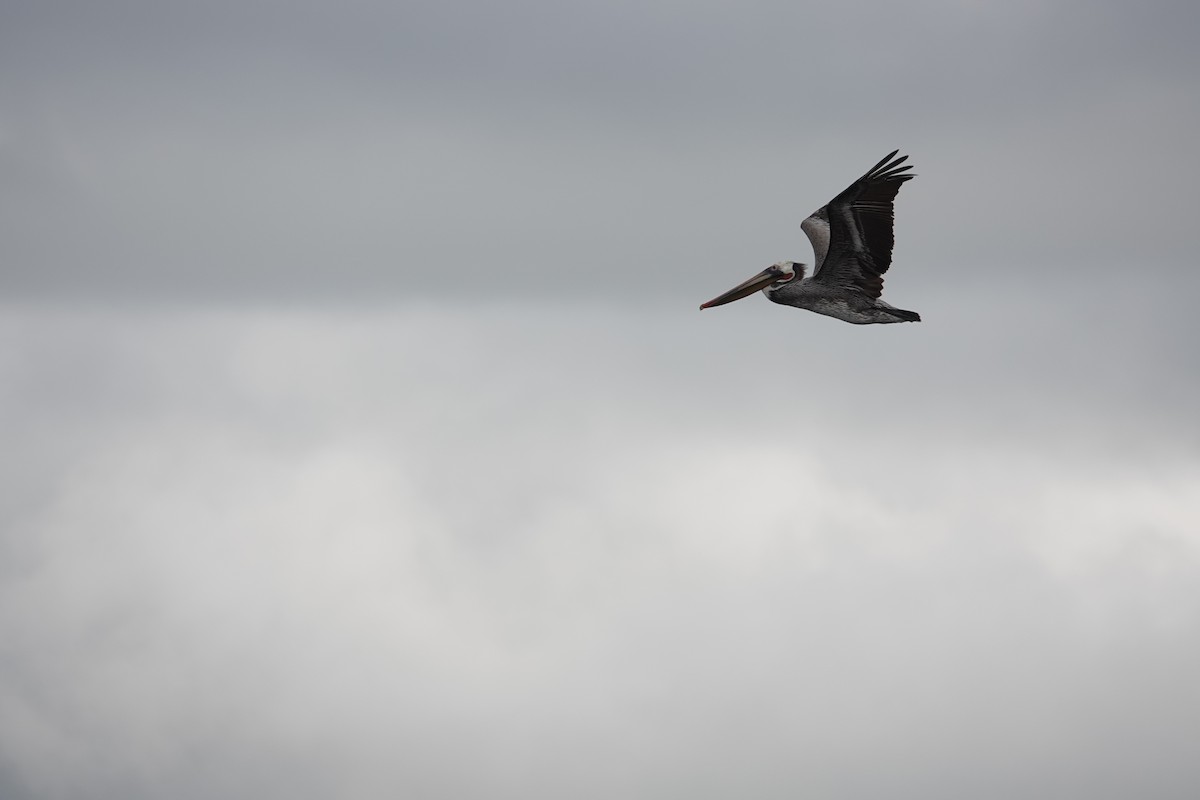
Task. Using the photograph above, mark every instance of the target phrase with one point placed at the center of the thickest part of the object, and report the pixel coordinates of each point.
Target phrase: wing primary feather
(884, 160)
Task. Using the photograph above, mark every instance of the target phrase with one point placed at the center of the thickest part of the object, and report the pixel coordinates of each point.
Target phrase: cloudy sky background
(362, 438)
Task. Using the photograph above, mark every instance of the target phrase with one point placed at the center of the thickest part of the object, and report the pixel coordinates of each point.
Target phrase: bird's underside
(847, 306)
(852, 240)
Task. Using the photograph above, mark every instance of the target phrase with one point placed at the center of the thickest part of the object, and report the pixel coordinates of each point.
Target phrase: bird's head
(773, 277)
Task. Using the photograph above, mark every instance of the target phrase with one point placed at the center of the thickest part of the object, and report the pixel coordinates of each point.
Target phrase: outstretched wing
(852, 235)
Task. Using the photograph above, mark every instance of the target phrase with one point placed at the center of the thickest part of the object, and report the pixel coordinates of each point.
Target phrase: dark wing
(852, 235)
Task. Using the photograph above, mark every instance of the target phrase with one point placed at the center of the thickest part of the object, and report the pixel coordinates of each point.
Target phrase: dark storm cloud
(282, 151)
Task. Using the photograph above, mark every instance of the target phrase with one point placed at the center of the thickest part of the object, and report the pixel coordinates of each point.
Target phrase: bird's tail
(897, 314)
(905, 316)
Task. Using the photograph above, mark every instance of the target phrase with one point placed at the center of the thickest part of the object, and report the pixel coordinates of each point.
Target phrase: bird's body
(852, 241)
(833, 301)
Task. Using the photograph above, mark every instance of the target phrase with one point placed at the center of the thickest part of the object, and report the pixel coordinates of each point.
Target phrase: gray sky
(363, 438)
(237, 150)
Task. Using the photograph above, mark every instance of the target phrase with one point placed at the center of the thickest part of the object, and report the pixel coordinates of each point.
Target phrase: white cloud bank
(514, 552)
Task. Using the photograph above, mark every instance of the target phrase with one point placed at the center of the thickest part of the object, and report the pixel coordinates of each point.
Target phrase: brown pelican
(852, 240)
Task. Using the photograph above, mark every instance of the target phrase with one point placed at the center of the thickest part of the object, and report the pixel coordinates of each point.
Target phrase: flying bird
(852, 240)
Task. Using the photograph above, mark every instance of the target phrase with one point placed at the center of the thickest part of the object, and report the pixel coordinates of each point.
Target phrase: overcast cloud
(362, 438)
